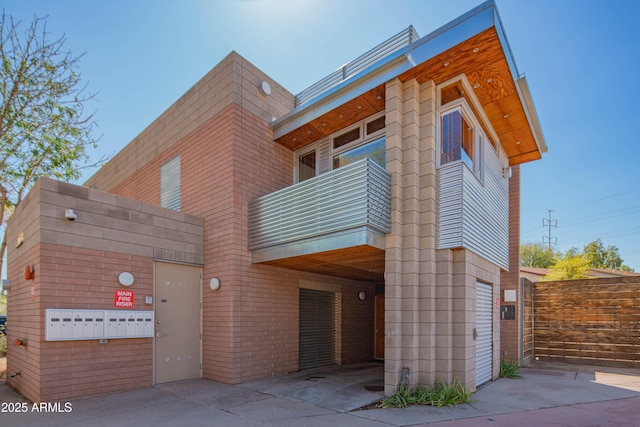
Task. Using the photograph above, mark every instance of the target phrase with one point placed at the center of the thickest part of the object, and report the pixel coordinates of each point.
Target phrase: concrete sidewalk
(570, 397)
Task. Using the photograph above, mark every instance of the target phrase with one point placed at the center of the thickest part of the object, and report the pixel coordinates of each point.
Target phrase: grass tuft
(438, 395)
(509, 369)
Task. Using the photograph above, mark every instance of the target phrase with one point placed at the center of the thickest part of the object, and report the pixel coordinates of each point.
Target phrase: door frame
(200, 267)
(379, 314)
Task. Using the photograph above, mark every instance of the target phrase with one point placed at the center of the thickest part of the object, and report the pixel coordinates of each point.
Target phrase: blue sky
(580, 57)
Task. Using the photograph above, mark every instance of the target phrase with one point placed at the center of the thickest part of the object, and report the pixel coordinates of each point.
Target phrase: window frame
(362, 140)
(170, 184)
(297, 162)
(468, 117)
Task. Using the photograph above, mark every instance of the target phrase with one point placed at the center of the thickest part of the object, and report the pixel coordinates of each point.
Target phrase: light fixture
(125, 278)
(446, 64)
(265, 88)
(19, 240)
(362, 295)
(70, 215)
(475, 50)
(506, 172)
(214, 283)
(476, 86)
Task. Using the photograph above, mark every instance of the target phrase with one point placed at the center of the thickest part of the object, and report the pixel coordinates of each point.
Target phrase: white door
(484, 333)
(177, 314)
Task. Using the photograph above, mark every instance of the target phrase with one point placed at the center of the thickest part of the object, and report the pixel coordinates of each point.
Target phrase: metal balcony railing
(384, 49)
(353, 196)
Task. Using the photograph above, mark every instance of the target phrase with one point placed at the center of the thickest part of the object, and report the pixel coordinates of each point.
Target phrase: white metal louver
(484, 333)
(170, 184)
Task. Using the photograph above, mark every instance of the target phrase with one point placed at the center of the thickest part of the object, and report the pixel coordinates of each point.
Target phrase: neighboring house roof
(536, 274)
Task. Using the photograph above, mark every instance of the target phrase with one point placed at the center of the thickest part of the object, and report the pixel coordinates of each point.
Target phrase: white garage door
(484, 333)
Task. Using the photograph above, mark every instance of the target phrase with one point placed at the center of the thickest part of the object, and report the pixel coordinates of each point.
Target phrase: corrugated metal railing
(384, 49)
(352, 196)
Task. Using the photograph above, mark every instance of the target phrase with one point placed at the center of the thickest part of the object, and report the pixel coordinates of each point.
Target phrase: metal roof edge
(471, 23)
(531, 113)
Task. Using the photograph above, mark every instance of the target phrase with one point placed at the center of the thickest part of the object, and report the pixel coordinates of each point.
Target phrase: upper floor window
(375, 150)
(170, 184)
(363, 139)
(456, 138)
(306, 166)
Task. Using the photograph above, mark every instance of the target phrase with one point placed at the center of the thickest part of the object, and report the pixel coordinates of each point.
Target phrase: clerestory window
(170, 184)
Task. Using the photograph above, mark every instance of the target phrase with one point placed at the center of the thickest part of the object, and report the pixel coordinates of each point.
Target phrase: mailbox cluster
(70, 324)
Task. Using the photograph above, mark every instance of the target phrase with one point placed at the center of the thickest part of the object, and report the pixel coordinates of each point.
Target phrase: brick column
(410, 253)
(510, 332)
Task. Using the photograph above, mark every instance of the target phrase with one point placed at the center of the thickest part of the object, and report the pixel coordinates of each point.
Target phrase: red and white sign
(123, 299)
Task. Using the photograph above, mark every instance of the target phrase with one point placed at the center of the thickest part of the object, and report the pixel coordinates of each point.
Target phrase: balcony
(332, 224)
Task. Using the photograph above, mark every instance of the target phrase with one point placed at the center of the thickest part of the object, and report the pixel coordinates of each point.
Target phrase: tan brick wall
(410, 258)
(24, 322)
(510, 332)
(429, 293)
(76, 266)
(86, 279)
(250, 326)
(233, 80)
(68, 277)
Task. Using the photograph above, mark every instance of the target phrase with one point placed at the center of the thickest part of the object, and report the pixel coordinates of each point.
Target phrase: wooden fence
(595, 321)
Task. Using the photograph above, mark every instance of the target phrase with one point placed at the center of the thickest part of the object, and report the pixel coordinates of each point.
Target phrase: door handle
(160, 334)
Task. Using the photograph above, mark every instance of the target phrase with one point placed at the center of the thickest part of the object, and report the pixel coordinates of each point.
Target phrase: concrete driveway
(551, 397)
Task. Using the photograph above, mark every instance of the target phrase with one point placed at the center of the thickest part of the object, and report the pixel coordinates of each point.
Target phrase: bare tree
(44, 131)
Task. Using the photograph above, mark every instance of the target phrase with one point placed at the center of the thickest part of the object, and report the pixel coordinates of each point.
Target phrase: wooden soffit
(358, 263)
(482, 59)
(345, 115)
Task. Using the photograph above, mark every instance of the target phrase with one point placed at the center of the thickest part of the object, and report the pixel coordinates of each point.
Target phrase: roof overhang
(473, 44)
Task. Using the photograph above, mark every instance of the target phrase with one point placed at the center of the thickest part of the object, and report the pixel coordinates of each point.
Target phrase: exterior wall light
(214, 283)
(70, 215)
(125, 278)
(362, 295)
(19, 240)
(265, 88)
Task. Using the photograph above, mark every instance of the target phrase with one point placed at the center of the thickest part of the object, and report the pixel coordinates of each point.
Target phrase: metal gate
(484, 333)
(526, 308)
(318, 332)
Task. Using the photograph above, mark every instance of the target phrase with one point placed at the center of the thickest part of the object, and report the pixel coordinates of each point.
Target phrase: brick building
(373, 215)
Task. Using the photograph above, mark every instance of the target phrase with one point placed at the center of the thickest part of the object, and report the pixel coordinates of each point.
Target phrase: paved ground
(573, 396)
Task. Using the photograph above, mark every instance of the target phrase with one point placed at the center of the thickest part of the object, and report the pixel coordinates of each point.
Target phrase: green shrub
(509, 369)
(3, 344)
(438, 395)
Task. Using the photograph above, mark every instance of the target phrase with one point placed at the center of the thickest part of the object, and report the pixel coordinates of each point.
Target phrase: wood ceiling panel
(509, 106)
(358, 263)
(494, 81)
(475, 53)
(345, 115)
(481, 58)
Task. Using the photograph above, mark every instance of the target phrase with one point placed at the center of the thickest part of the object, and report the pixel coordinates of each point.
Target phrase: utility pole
(549, 223)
